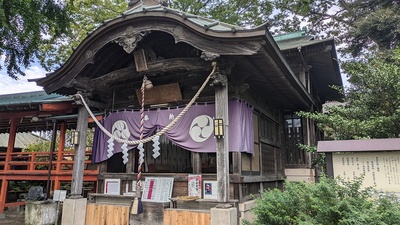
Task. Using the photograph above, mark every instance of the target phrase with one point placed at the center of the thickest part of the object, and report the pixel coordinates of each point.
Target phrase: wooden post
(11, 142)
(10, 149)
(130, 165)
(60, 151)
(80, 150)
(3, 194)
(52, 147)
(221, 112)
(196, 162)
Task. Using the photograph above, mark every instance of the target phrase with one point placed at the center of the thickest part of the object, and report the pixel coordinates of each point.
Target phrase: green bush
(328, 202)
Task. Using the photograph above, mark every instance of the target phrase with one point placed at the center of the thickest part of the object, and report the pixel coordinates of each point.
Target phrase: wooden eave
(322, 57)
(150, 21)
(253, 44)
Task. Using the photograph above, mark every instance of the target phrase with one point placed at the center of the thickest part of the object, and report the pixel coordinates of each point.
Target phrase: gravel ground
(13, 217)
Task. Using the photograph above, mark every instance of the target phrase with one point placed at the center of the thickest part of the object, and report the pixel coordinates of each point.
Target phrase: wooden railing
(39, 162)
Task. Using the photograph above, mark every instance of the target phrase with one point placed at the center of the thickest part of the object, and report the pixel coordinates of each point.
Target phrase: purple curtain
(194, 131)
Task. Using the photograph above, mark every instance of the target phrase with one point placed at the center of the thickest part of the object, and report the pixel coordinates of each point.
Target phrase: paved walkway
(13, 217)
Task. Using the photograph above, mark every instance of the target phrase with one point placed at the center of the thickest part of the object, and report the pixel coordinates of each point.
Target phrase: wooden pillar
(130, 165)
(80, 150)
(221, 112)
(11, 142)
(196, 162)
(3, 194)
(61, 145)
(10, 149)
(51, 156)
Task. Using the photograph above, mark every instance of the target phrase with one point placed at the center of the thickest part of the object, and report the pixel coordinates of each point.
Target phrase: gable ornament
(129, 39)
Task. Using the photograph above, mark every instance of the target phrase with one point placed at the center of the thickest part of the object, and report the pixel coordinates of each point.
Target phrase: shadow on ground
(13, 216)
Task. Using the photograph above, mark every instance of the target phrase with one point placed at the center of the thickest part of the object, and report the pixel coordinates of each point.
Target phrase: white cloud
(9, 85)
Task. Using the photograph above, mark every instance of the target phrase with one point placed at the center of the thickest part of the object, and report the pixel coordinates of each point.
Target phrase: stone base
(223, 216)
(74, 211)
(246, 213)
(2, 216)
(40, 212)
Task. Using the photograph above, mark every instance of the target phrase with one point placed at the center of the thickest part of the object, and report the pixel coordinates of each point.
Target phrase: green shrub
(328, 202)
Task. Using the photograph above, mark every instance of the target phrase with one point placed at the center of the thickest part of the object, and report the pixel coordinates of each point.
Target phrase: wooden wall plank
(107, 214)
(186, 217)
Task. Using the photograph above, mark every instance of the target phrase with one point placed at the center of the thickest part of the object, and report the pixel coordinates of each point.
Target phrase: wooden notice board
(160, 94)
(380, 169)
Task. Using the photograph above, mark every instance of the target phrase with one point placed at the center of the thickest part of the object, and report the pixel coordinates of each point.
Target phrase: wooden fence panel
(107, 214)
(186, 217)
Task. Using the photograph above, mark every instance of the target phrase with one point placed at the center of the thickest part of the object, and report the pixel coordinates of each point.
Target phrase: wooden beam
(59, 106)
(154, 68)
(95, 104)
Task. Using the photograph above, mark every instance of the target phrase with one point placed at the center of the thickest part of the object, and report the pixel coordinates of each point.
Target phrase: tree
(86, 16)
(24, 26)
(89, 15)
(361, 25)
(372, 108)
(328, 202)
(243, 13)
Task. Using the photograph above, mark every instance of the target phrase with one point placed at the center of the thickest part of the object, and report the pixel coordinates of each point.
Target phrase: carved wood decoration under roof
(176, 48)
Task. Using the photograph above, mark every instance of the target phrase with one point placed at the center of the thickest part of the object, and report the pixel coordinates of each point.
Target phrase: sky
(9, 85)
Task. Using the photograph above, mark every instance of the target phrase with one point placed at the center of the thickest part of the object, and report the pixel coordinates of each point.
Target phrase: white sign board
(59, 195)
(194, 185)
(157, 189)
(112, 186)
(210, 189)
(380, 169)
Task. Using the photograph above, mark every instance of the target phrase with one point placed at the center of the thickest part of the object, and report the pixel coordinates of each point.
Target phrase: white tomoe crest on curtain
(192, 132)
(119, 129)
(201, 128)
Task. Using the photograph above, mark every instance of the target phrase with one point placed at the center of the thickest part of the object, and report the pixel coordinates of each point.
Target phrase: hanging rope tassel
(137, 206)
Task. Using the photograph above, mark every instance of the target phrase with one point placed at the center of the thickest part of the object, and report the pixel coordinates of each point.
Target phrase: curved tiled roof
(30, 98)
(206, 23)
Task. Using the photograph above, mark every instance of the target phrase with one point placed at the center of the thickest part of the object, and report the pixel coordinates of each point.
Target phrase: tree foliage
(89, 15)
(361, 25)
(244, 13)
(24, 26)
(328, 202)
(86, 16)
(372, 108)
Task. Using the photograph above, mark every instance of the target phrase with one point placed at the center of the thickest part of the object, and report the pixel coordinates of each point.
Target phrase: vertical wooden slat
(185, 217)
(166, 217)
(89, 214)
(98, 214)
